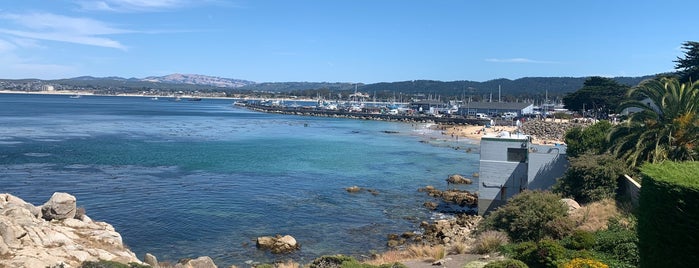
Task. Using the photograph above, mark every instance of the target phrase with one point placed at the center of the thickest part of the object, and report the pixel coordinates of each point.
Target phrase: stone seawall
(366, 116)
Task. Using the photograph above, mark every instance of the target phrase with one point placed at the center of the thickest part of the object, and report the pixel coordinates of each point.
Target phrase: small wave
(37, 154)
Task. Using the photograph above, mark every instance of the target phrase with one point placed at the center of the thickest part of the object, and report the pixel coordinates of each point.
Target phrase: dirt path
(450, 261)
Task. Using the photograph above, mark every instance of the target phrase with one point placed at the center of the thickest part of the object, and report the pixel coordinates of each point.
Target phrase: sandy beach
(476, 132)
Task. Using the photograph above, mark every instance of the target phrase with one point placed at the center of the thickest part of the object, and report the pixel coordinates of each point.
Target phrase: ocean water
(185, 179)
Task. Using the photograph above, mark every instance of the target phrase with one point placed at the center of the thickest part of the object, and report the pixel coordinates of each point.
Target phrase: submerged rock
(278, 244)
(353, 189)
(458, 179)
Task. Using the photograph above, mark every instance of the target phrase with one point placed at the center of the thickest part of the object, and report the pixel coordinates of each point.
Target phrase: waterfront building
(496, 108)
(510, 164)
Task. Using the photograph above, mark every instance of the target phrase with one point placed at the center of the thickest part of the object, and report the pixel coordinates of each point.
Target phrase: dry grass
(594, 216)
(490, 241)
(460, 248)
(287, 264)
(414, 252)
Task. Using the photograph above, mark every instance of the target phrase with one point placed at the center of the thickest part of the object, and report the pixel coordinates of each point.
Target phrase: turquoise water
(186, 179)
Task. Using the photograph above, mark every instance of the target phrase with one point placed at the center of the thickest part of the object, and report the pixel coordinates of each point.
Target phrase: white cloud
(132, 5)
(17, 67)
(517, 60)
(52, 27)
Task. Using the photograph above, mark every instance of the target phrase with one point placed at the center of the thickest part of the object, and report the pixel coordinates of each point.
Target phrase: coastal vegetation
(591, 177)
(668, 214)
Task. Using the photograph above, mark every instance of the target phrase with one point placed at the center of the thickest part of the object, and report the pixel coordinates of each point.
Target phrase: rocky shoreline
(59, 234)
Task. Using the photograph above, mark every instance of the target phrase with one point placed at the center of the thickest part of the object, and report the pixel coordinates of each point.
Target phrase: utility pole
(499, 94)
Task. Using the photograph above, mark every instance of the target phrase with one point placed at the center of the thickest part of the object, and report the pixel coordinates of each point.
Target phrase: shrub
(548, 254)
(506, 264)
(521, 251)
(591, 139)
(584, 263)
(490, 241)
(591, 178)
(668, 215)
(559, 228)
(545, 253)
(579, 240)
(525, 216)
(619, 244)
(341, 261)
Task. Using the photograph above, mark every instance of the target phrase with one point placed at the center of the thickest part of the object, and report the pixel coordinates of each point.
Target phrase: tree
(590, 139)
(665, 128)
(688, 67)
(602, 95)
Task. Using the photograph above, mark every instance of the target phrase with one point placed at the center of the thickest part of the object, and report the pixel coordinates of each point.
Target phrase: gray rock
(572, 204)
(278, 244)
(150, 260)
(61, 206)
(458, 179)
(201, 262)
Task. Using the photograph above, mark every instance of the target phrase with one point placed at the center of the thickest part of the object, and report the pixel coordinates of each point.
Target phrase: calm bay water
(186, 179)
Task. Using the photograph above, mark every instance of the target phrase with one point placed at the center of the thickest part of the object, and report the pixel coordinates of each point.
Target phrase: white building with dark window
(510, 164)
(496, 108)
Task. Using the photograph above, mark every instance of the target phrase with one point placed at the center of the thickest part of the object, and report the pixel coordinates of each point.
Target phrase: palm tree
(667, 126)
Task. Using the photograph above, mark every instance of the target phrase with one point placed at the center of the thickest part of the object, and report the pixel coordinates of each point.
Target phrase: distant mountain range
(522, 88)
(197, 79)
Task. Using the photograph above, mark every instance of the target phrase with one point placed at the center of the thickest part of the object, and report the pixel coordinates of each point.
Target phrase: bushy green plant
(520, 251)
(579, 240)
(341, 261)
(559, 228)
(545, 253)
(489, 241)
(525, 216)
(548, 254)
(668, 215)
(591, 139)
(591, 178)
(619, 244)
(509, 263)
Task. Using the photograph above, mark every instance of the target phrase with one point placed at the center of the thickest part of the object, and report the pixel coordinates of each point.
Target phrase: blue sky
(364, 41)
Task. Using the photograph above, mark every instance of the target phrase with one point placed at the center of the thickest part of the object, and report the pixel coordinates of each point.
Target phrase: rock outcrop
(49, 235)
(278, 244)
(461, 198)
(442, 232)
(201, 262)
(458, 179)
(61, 206)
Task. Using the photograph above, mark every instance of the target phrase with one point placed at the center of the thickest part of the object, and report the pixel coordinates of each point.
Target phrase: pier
(311, 111)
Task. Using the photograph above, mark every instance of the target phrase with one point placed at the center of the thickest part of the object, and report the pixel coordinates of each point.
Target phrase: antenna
(499, 95)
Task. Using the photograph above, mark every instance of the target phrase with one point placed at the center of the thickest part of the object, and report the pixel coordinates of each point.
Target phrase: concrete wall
(546, 164)
(499, 179)
(631, 189)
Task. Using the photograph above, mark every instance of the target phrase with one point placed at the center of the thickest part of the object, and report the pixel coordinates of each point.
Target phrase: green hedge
(669, 215)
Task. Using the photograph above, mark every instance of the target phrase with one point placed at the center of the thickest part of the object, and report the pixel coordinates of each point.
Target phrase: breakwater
(419, 118)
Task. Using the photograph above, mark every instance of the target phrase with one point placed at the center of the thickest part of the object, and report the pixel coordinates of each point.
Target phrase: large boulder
(571, 204)
(61, 206)
(201, 262)
(278, 244)
(34, 242)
